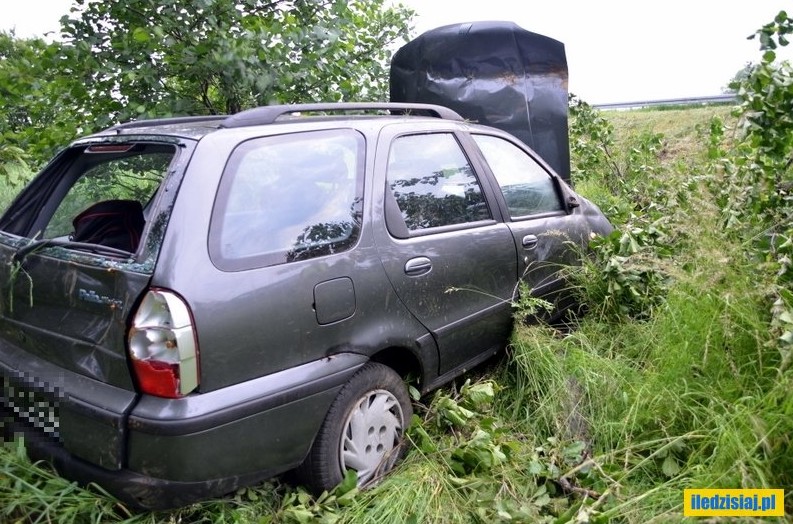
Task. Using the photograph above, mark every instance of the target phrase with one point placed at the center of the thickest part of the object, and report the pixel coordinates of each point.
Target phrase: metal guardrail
(694, 100)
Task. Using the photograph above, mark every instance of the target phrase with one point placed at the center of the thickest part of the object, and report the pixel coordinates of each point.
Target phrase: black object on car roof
(493, 73)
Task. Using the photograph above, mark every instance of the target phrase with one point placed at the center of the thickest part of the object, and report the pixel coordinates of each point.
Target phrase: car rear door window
(287, 198)
(527, 187)
(433, 183)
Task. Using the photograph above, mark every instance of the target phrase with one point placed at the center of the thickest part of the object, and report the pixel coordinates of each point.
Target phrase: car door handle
(530, 241)
(418, 266)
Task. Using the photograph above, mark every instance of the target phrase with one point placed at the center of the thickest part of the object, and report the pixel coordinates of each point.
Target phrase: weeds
(35, 494)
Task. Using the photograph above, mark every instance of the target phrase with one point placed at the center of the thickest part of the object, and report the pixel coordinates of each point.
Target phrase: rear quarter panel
(256, 322)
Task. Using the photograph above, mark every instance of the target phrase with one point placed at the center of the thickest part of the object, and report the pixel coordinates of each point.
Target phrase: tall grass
(29, 493)
(686, 399)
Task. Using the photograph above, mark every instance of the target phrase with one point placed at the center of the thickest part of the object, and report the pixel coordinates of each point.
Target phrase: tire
(363, 430)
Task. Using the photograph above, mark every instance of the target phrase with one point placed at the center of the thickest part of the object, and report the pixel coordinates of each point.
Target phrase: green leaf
(348, 498)
(140, 34)
(414, 393)
(303, 497)
(349, 483)
(670, 466)
(480, 394)
(232, 57)
(300, 515)
(542, 500)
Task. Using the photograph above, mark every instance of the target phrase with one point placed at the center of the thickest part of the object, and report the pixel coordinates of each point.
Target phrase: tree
(35, 102)
(123, 59)
(164, 57)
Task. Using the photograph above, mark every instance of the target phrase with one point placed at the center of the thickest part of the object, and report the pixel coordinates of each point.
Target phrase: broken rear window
(99, 195)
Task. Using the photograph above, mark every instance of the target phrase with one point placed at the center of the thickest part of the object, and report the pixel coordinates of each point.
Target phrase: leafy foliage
(610, 421)
(755, 179)
(526, 307)
(715, 334)
(624, 277)
(34, 105)
(120, 60)
(591, 143)
(766, 150)
(510, 477)
(162, 57)
(739, 78)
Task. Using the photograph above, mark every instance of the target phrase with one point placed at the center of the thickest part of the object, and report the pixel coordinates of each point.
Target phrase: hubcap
(371, 435)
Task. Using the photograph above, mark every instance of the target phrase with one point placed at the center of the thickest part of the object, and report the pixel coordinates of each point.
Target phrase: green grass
(607, 422)
(681, 127)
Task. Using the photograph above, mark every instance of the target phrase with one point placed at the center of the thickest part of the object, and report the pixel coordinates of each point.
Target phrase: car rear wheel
(363, 430)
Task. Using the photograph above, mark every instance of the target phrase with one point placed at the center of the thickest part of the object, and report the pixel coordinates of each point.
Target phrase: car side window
(527, 187)
(287, 198)
(432, 183)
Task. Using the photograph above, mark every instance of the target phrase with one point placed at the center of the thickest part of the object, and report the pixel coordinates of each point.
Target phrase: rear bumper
(86, 417)
(173, 452)
(136, 490)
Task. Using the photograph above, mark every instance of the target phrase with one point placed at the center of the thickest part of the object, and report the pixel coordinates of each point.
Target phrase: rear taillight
(162, 345)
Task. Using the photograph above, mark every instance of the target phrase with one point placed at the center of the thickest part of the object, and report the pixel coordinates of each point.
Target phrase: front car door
(547, 237)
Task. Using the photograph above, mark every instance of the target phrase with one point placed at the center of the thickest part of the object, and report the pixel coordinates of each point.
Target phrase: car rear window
(111, 182)
(99, 194)
(289, 197)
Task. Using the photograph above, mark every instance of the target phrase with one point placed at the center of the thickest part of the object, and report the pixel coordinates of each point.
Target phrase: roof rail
(269, 114)
(165, 121)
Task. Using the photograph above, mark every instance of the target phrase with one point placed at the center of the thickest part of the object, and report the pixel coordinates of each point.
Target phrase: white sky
(617, 50)
(625, 51)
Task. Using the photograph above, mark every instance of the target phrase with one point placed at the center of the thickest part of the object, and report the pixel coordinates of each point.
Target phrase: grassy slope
(700, 382)
(610, 421)
(677, 124)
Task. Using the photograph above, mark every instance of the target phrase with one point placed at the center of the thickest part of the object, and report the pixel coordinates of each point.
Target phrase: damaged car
(190, 305)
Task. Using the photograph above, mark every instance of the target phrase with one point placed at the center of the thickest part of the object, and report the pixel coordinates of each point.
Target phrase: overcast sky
(617, 50)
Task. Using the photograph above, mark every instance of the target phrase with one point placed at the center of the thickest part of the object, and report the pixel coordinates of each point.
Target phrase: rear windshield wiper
(25, 250)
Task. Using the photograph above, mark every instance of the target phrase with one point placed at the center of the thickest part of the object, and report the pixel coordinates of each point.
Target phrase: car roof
(197, 126)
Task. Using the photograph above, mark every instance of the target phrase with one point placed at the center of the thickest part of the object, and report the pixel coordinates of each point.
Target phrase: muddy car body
(278, 282)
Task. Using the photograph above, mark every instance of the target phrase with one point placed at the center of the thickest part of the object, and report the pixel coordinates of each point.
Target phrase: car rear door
(446, 251)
